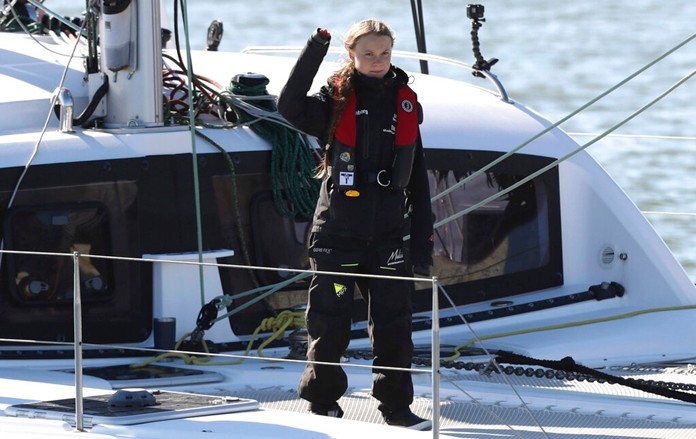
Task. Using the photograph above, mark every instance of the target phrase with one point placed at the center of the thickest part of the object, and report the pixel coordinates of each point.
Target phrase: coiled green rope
(295, 190)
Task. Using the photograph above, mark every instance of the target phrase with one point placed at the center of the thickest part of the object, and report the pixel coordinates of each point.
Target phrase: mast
(131, 48)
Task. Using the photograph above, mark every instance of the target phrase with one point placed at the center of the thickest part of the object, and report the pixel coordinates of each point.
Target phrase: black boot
(404, 417)
(333, 409)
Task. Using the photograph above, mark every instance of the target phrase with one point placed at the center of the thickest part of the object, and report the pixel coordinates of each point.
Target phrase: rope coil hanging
(295, 190)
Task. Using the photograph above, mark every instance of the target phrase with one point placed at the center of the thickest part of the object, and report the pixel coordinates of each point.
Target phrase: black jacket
(378, 213)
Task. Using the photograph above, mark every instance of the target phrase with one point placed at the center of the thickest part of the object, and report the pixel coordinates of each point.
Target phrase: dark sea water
(554, 57)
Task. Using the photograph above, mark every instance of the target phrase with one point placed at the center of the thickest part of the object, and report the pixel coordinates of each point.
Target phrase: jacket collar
(395, 76)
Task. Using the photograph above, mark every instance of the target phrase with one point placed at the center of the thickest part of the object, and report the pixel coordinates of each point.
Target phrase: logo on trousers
(396, 257)
(339, 289)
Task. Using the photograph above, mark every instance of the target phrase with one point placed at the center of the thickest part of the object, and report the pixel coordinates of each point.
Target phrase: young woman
(374, 192)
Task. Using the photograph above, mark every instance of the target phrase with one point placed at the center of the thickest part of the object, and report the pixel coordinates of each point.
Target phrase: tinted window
(507, 246)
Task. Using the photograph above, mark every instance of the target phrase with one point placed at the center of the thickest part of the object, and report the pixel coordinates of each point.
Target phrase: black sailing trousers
(329, 317)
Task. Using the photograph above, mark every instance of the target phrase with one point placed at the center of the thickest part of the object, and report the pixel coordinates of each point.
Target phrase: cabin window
(47, 279)
(57, 212)
(507, 246)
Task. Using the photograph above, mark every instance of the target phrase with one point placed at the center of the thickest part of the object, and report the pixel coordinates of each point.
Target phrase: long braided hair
(342, 81)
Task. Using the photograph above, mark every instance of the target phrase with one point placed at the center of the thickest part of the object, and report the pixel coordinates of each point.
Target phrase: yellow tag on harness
(352, 193)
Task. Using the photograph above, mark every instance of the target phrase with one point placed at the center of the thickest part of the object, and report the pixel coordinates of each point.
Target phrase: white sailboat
(154, 271)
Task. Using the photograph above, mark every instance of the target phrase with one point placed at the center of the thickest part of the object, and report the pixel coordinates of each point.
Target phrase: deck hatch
(98, 410)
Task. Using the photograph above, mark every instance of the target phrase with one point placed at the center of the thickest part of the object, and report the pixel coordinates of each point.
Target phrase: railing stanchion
(435, 347)
(77, 319)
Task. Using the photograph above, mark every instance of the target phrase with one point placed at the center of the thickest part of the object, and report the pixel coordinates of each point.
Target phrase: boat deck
(472, 420)
(473, 405)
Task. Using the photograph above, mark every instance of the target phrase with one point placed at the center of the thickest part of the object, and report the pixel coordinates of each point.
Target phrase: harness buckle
(383, 178)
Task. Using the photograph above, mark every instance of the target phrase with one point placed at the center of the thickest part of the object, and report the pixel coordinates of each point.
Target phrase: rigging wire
(556, 162)
(419, 27)
(645, 137)
(566, 118)
(194, 152)
(235, 203)
(635, 136)
(493, 362)
(656, 212)
(37, 145)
